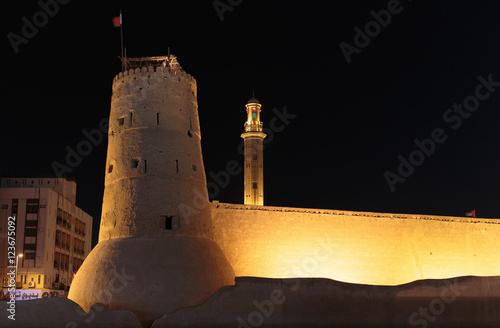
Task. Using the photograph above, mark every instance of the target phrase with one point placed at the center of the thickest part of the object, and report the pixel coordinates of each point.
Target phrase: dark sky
(353, 120)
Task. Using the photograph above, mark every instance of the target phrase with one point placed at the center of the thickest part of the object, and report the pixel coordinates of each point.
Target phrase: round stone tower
(155, 253)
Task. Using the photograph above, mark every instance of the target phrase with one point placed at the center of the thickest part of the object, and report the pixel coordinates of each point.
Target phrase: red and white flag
(117, 21)
(471, 214)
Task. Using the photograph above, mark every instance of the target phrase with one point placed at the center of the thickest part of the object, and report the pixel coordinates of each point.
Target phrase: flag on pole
(471, 214)
(117, 21)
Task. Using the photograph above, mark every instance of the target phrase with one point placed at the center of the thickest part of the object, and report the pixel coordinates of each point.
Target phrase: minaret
(156, 251)
(254, 145)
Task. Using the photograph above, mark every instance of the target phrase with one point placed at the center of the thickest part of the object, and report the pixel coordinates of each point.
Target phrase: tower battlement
(154, 72)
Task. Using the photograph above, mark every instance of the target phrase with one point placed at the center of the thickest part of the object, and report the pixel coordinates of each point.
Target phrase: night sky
(352, 121)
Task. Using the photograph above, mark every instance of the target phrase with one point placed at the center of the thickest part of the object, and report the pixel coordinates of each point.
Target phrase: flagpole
(121, 39)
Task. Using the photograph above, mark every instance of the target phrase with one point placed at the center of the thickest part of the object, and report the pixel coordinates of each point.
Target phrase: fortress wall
(356, 247)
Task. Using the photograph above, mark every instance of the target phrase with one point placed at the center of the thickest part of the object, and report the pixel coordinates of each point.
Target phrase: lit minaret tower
(254, 138)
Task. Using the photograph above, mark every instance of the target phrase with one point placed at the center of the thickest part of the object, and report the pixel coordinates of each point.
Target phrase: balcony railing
(253, 127)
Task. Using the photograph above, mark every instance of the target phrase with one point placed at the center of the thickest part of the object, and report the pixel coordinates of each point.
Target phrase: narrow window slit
(168, 222)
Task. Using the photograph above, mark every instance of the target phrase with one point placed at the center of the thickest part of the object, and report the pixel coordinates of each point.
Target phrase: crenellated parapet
(158, 72)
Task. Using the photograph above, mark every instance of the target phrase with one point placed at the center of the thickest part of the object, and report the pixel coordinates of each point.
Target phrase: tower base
(151, 276)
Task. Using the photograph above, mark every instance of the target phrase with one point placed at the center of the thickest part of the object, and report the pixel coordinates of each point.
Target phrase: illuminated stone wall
(356, 247)
(154, 167)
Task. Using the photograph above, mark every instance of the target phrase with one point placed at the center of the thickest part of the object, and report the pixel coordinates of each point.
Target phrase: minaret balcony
(253, 127)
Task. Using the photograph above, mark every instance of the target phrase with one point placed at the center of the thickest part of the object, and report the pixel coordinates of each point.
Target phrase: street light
(17, 260)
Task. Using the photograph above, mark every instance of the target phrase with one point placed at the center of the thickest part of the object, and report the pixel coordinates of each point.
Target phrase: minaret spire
(254, 144)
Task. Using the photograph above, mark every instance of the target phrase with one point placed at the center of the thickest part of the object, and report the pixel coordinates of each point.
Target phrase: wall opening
(145, 166)
(121, 121)
(157, 119)
(110, 168)
(169, 222)
(254, 185)
(190, 134)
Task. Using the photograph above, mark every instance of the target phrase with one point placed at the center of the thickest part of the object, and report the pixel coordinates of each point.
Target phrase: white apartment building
(52, 234)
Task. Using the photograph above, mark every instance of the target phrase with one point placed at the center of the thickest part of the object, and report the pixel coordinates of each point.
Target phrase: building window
(110, 168)
(254, 156)
(121, 121)
(135, 163)
(29, 255)
(30, 232)
(32, 206)
(254, 185)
